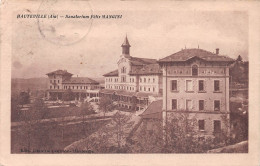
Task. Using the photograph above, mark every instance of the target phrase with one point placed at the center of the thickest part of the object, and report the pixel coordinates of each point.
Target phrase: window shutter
(205, 105)
(193, 85)
(205, 85)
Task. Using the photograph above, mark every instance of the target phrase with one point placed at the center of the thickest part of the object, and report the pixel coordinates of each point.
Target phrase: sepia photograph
(147, 81)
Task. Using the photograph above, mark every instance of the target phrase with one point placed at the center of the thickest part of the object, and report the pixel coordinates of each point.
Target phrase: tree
(182, 137)
(85, 109)
(120, 121)
(112, 137)
(15, 112)
(134, 103)
(32, 126)
(68, 95)
(106, 105)
(24, 98)
(239, 58)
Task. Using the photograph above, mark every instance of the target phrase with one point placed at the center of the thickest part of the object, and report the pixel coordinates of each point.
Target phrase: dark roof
(112, 73)
(141, 61)
(154, 110)
(147, 69)
(59, 72)
(125, 93)
(80, 80)
(126, 43)
(107, 91)
(187, 54)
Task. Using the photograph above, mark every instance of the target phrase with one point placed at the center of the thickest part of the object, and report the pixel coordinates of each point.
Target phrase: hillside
(22, 84)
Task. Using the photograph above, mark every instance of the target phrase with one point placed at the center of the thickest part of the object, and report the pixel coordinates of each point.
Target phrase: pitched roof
(147, 69)
(80, 80)
(126, 43)
(112, 73)
(141, 61)
(154, 110)
(59, 72)
(187, 54)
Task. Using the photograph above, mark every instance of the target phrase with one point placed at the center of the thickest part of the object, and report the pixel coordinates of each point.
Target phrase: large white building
(136, 82)
(196, 83)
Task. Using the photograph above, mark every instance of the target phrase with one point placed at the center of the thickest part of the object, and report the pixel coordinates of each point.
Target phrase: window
(58, 87)
(201, 105)
(188, 105)
(54, 76)
(50, 81)
(201, 85)
(123, 70)
(58, 81)
(174, 104)
(216, 105)
(140, 88)
(144, 79)
(153, 89)
(217, 126)
(216, 85)
(194, 70)
(149, 89)
(140, 79)
(54, 81)
(148, 79)
(153, 80)
(50, 87)
(123, 79)
(144, 88)
(189, 85)
(201, 125)
(174, 85)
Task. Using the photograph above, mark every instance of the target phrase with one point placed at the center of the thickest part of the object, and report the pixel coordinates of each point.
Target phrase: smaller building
(61, 81)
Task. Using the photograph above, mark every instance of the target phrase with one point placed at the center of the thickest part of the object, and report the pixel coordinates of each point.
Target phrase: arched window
(123, 70)
(194, 70)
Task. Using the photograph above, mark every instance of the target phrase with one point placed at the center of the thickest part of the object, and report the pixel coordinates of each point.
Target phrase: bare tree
(86, 108)
(106, 105)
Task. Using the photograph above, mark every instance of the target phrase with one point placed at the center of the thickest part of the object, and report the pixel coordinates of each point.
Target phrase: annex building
(196, 83)
(61, 81)
(135, 83)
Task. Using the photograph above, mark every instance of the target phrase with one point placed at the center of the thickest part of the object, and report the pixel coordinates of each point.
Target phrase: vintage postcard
(129, 82)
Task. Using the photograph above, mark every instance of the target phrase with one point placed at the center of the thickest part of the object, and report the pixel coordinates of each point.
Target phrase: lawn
(55, 113)
(50, 137)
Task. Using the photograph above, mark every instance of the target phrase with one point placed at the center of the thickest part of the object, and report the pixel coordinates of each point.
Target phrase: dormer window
(194, 70)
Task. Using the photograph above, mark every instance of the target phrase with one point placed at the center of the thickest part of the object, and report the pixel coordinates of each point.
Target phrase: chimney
(217, 51)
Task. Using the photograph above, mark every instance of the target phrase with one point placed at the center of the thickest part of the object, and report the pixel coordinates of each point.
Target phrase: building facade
(136, 81)
(61, 81)
(196, 83)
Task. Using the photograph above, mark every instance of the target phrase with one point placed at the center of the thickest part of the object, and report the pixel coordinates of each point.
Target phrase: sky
(92, 47)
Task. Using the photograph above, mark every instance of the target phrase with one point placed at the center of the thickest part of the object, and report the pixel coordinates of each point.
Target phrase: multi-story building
(137, 81)
(196, 83)
(81, 87)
